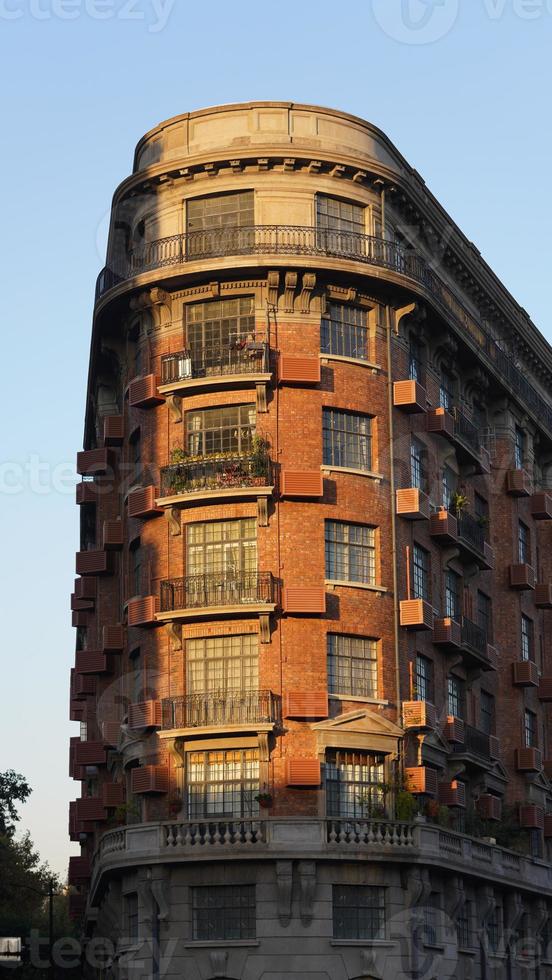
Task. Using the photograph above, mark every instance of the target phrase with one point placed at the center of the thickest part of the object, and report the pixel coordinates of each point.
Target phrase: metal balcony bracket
(284, 882)
(174, 633)
(307, 887)
(262, 406)
(262, 511)
(174, 403)
(264, 627)
(172, 515)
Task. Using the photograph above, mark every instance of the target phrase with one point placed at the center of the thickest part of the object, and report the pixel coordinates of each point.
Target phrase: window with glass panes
(432, 919)
(423, 678)
(446, 390)
(354, 783)
(220, 211)
(463, 925)
(449, 483)
(222, 783)
(222, 663)
(527, 638)
(131, 915)
(333, 214)
(420, 572)
(347, 439)
(519, 448)
(494, 928)
(223, 912)
(215, 330)
(344, 331)
(418, 473)
(350, 552)
(455, 697)
(358, 912)
(220, 430)
(415, 355)
(530, 728)
(485, 614)
(222, 546)
(524, 543)
(453, 593)
(487, 712)
(352, 665)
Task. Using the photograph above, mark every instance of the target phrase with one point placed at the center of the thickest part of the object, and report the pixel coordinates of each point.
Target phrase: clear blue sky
(461, 86)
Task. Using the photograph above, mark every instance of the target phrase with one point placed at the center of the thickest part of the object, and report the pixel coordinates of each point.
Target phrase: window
(350, 552)
(219, 211)
(455, 697)
(223, 783)
(344, 332)
(420, 573)
(358, 912)
(223, 912)
(347, 439)
(354, 784)
(334, 215)
(418, 472)
(527, 638)
(487, 712)
(83, 731)
(415, 360)
(449, 487)
(446, 390)
(485, 614)
(423, 679)
(494, 928)
(453, 591)
(463, 925)
(519, 448)
(481, 510)
(220, 430)
(222, 663)
(215, 332)
(131, 916)
(229, 547)
(432, 919)
(135, 453)
(352, 665)
(135, 568)
(524, 544)
(530, 728)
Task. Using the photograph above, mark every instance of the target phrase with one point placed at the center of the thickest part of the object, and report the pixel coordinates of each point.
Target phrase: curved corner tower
(311, 663)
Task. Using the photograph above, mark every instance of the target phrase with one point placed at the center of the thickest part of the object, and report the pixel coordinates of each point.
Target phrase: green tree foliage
(14, 789)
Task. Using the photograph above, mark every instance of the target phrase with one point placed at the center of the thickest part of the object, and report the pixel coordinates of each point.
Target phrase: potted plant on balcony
(264, 800)
(258, 467)
(459, 502)
(406, 806)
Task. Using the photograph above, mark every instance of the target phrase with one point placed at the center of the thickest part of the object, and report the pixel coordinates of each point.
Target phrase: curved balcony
(214, 595)
(243, 363)
(236, 710)
(302, 240)
(235, 476)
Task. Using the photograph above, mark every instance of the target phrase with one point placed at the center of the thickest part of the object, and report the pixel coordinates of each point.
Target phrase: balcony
(412, 504)
(221, 709)
(528, 759)
(409, 396)
(443, 527)
(518, 483)
(475, 750)
(457, 427)
(471, 540)
(416, 614)
(525, 673)
(475, 647)
(242, 364)
(218, 594)
(238, 476)
(419, 715)
(521, 577)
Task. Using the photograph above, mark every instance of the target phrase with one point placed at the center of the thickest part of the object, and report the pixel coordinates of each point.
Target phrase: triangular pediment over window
(362, 729)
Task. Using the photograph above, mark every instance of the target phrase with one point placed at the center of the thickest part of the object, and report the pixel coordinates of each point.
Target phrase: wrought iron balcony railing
(474, 637)
(305, 240)
(241, 357)
(471, 531)
(475, 743)
(220, 708)
(217, 473)
(465, 430)
(217, 589)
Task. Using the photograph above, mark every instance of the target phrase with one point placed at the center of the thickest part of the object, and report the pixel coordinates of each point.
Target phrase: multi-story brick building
(313, 664)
